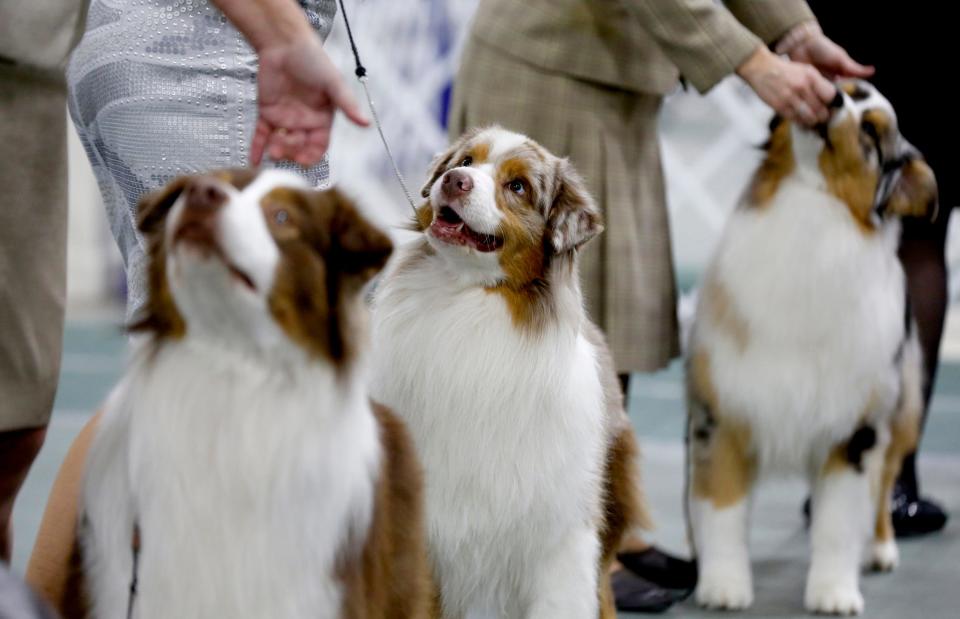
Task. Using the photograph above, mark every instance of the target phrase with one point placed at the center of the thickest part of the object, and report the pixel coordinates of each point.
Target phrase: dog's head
(257, 258)
(501, 207)
(858, 155)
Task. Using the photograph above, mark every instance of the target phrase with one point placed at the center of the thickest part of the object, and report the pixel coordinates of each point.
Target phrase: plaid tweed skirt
(610, 136)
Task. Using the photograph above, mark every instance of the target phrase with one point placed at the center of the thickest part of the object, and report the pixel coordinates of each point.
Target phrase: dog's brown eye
(281, 217)
(516, 186)
(466, 162)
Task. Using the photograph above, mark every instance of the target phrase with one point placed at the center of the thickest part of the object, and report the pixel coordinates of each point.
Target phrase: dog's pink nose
(205, 195)
(456, 183)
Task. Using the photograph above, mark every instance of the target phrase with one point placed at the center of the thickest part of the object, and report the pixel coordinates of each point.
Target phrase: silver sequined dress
(159, 88)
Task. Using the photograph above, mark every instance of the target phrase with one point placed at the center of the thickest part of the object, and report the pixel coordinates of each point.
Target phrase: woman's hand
(299, 92)
(796, 91)
(807, 43)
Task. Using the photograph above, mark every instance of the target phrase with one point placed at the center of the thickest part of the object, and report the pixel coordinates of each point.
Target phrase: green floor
(927, 585)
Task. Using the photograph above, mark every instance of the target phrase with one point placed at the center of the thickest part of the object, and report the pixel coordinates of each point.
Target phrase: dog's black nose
(205, 194)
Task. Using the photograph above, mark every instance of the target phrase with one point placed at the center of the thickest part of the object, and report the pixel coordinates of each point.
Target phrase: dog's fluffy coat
(803, 357)
(240, 454)
(483, 347)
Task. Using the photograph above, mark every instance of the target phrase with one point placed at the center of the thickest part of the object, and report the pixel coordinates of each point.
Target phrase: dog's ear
(353, 245)
(913, 192)
(573, 217)
(153, 207)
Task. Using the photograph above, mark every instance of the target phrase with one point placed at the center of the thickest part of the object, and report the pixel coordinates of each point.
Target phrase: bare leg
(18, 448)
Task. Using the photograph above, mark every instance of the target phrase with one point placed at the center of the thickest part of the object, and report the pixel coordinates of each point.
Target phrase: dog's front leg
(722, 470)
(564, 584)
(842, 511)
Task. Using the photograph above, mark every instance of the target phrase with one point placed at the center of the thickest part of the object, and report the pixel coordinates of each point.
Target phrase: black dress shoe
(633, 594)
(661, 569)
(915, 516)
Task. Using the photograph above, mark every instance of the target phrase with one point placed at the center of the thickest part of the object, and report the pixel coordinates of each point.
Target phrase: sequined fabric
(159, 88)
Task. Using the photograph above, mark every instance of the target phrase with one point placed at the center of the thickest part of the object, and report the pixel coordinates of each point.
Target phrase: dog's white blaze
(510, 430)
(478, 208)
(245, 481)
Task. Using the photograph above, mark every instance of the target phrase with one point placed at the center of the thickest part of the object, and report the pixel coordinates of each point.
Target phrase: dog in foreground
(804, 356)
(240, 469)
(482, 346)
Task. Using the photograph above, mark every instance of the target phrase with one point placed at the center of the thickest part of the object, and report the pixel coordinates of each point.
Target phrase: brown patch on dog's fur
(240, 178)
(882, 124)
(537, 253)
(160, 316)
(777, 165)
(915, 195)
(422, 219)
(525, 288)
(836, 461)
(720, 311)
(624, 508)
(723, 462)
(390, 578)
(325, 239)
(725, 467)
(850, 454)
(852, 89)
(848, 174)
(904, 435)
(479, 152)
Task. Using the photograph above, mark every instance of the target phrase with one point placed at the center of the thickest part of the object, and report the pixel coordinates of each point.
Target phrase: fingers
(851, 68)
(260, 137)
(342, 98)
(303, 146)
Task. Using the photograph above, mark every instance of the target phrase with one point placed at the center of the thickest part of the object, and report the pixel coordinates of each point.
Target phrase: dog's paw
(833, 597)
(724, 590)
(885, 555)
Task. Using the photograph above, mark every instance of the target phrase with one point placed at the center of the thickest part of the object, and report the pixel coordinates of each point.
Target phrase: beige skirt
(610, 136)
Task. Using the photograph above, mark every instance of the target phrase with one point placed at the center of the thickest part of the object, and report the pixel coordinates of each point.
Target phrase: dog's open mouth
(450, 228)
(200, 238)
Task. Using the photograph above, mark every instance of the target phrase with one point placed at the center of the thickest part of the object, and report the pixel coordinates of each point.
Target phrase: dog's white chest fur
(245, 483)
(509, 428)
(823, 307)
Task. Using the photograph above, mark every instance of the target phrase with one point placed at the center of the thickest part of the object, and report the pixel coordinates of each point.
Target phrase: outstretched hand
(299, 92)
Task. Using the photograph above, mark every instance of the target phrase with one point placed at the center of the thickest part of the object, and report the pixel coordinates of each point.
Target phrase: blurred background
(710, 148)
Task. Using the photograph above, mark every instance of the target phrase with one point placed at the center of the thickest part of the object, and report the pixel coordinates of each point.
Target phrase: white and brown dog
(483, 347)
(241, 446)
(803, 356)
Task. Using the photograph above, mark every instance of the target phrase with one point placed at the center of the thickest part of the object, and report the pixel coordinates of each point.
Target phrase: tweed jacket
(637, 45)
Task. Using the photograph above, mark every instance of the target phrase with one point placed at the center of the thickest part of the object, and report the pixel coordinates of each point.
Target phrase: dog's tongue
(450, 232)
(450, 228)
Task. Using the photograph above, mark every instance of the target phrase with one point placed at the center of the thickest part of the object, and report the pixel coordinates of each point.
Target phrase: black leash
(361, 73)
